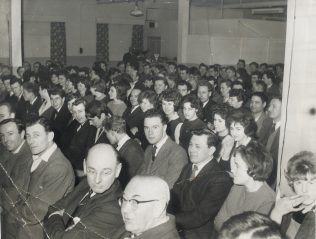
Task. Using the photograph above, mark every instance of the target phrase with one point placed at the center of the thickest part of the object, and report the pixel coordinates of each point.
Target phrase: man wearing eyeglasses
(91, 210)
(143, 208)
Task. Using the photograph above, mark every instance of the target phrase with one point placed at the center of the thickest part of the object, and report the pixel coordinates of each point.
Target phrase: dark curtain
(58, 42)
(138, 37)
(102, 42)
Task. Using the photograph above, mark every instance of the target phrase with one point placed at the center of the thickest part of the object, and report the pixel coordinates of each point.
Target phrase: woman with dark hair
(83, 87)
(296, 213)
(251, 166)
(117, 95)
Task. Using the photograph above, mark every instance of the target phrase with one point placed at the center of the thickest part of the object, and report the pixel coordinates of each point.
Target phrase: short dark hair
(116, 124)
(212, 138)
(203, 65)
(183, 68)
(257, 158)
(246, 120)
(41, 121)
(150, 95)
(31, 87)
(260, 226)
(261, 95)
(228, 83)
(183, 82)
(45, 84)
(299, 166)
(80, 101)
(163, 79)
(173, 96)
(254, 64)
(270, 75)
(232, 68)
(99, 86)
(14, 80)
(238, 93)
(121, 90)
(194, 102)
(257, 73)
(17, 122)
(96, 108)
(57, 91)
(263, 84)
(223, 111)
(207, 84)
(156, 113)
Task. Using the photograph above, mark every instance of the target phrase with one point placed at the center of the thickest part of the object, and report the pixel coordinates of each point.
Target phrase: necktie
(273, 127)
(153, 155)
(194, 170)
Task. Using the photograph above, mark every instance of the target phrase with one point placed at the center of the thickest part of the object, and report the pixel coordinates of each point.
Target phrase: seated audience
(204, 93)
(296, 213)
(163, 157)
(91, 210)
(201, 189)
(250, 225)
(225, 87)
(130, 151)
(33, 101)
(143, 208)
(251, 166)
(184, 88)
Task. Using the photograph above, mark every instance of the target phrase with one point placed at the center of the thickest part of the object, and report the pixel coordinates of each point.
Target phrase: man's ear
(211, 150)
(50, 136)
(118, 170)
(210, 94)
(159, 208)
(165, 127)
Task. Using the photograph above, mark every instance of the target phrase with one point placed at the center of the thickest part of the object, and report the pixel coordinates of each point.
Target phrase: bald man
(143, 208)
(91, 210)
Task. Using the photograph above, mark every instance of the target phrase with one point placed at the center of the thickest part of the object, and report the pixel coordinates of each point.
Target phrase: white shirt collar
(133, 109)
(19, 148)
(204, 104)
(122, 142)
(46, 155)
(161, 143)
(33, 101)
(277, 124)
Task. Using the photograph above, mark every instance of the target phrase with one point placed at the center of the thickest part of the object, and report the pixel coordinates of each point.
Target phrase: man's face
(198, 149)
(69, 105)
(203, 93)
(131, 72)
(36, 67)
(224, 89)
(7, 85)
(96, 121)
(21, 72)
(154, 129)
(5, 113)
(274, 109)
(184, 75)
(10, 136)
(189, 112)
(230, 74)
(183, 90)
(101, 172)
(79, 113)
(159, 86)
(147, 70)
(212, 72)
(57, 101)
(252, 68)
(38, 139)
(171, 68)
(306, 188)
(140, 218)
(134, 97)
(256, 104)
(146, 105)
(233, 102)
(17, 89)
(266, 79)
(168, 107)
(203, 70)
(121, 67)
(27, 95)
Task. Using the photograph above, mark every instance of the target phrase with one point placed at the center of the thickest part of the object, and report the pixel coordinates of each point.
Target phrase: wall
(4, 31)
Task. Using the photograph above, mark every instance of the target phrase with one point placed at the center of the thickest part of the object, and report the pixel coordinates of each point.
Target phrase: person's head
(118, 91)
(133, 98)
(12, 132)
(160, 84)
(263, 67)
(114, 127)
(268, 77)
(231, 72)
(71, 84)
(70, 99)
(191, 107)
(54, 78)
(102, 167)
(44, 87)
(220, 119)
(39, 135)
(36, 66)
(155, 125)
(98, 89)
(83, 86)
(225, 87)
(121, 66)
(20, 71)
(30, 91)
(144, 203)
(253, 66)
(172, 80)
(62, 78)
(184, 87)
(203, 69)
(241, 64)
(255, 76)
(301, 175)
(132, 70)
(260, 86)
(57, 98)
(6, 81)
(79, 110)
(213, 71)
(6, 111)
(202, 145)
(236, 98)
(183, 72)
(205, 90)
(147, 100)
(258, 102)
(96, 112)
(238, 85)
(251, 163)
(242, 126)
(16, 86)
(274, 109)
(170, 101)
(250, 225)
(147, 68)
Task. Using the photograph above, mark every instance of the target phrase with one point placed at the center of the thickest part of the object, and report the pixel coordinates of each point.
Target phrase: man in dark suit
(163, 157)
(33, 101)
(19, 103)
(143, 208)
(201, 189)
(204, 93)
(272, 88)
(61, 114)
(91, 210)
(130, 151)
(82, 139)
(51, 178)
(272, 145)
(15, 174)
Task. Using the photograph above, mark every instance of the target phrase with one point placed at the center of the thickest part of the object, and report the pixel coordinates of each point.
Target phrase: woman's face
(112, 93)
(219, 123)
(82, 89)
(239, 170)
(306, 188)
(237, 131)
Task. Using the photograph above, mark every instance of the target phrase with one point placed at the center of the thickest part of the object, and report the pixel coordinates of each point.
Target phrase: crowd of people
(148, 150)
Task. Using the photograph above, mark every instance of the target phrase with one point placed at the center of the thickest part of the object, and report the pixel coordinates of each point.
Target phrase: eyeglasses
(133, 202)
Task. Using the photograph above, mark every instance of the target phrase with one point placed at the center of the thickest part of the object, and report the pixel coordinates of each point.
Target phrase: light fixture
(259, 11)
(136, 12)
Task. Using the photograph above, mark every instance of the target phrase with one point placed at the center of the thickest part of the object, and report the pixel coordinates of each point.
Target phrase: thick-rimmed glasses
(133, 202)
